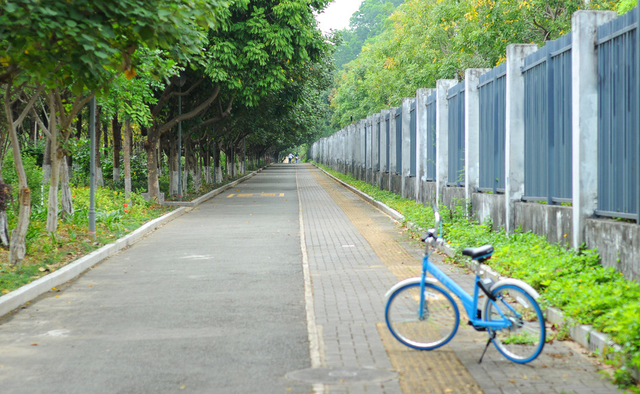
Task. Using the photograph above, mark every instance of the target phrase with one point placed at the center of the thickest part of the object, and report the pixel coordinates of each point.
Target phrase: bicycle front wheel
(524, 339)
(436, 327)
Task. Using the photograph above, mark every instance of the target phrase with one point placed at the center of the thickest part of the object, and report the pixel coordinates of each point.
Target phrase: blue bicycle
(424, 316)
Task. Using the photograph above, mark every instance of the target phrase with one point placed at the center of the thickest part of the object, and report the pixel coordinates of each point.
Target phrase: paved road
(211, 303)
(215, 302)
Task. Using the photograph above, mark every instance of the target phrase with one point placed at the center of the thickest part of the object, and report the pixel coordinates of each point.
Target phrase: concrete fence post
(514, 130)
(368, 149)
(351, 130)
(375, 148)
(584, 116)
(472, 131)
(384, 149)
(393, 160)
(442, 135)
(406, 145)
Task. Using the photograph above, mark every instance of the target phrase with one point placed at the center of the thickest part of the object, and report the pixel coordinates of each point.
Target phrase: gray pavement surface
(211, 303)
(214, 302)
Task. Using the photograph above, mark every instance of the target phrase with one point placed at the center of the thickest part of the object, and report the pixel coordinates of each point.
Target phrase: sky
(337, 14)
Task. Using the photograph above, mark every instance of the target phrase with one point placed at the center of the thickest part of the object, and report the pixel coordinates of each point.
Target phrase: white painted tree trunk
(127, 160)
(65, 199)
(17, 248)
(4, 229)
(197, 178)
(207, 175)
(52, 213)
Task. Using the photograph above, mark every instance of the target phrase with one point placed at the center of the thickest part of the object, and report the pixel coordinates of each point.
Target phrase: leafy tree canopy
(365, 24)
(72, 43)
(429, 40)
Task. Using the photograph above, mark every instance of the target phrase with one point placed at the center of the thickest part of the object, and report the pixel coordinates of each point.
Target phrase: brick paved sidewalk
(355, 255)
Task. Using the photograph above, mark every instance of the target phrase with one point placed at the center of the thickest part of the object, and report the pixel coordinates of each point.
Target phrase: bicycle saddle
(481, 252)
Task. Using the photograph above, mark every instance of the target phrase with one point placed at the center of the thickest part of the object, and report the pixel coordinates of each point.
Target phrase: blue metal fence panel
(399, 140)
(412, 137)
(547, 123)
(430, 164)
(455, 96)
(492, 88)
(618, 124)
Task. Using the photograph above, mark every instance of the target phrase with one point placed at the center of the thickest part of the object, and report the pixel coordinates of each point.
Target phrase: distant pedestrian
(297, 158)
(290, 158)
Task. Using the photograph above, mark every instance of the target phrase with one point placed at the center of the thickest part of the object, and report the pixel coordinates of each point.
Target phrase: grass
(571, 280)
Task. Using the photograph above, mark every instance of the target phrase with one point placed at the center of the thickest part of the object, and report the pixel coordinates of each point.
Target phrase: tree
(261, 47)
(427, 40)
(365, 24)
(79, 46)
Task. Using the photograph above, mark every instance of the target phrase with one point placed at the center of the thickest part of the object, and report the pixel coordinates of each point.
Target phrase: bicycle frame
(470, 303)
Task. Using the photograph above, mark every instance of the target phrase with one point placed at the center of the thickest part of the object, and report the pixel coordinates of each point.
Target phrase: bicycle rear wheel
(437, 326)
(524, 340)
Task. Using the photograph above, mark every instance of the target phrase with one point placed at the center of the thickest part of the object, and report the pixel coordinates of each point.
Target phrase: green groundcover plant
(573, 281)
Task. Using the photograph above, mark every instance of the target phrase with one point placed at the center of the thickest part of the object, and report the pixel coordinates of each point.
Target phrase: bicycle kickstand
(493, 335)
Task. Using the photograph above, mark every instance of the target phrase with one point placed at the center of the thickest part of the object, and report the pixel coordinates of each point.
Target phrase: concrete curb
(585, 335)
(28, 292)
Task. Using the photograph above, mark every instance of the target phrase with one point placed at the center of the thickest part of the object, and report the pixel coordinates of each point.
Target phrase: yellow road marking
(267, 195)
(230, 195)
(246, 195)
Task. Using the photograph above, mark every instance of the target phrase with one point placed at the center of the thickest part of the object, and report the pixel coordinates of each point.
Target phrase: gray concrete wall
(396, 183)
(427, 193)
(551, 221)
(409, 188)
(384, 177)
(618, 244)
(489, 206)
(453, 196)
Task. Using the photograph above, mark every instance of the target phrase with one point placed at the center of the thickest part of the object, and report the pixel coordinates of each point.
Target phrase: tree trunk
(17, 248)
(196, 173)
(217, 170)
(65, 199)
(52, 214)
(4, 224)
(153, 187)
(127, 161)
(46, 162)
(185, 172)
(207, 165)
(99, 177)
(117, 147)
(230, 162)
(173, 167)
(243, 157)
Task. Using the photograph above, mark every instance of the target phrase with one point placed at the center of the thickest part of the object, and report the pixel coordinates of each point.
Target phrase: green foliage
(427, 40)
(78, 44)
(366, 24)
(571, 280)
(34, 180)
(625, 6)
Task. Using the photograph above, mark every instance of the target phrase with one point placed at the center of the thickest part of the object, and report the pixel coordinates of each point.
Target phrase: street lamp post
(181, 80)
